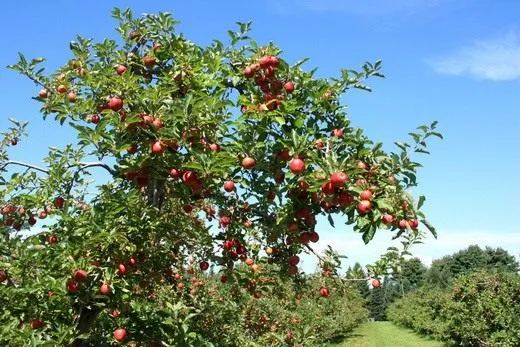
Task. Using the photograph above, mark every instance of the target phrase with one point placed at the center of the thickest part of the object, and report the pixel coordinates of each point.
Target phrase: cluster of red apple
(15, 217)
(264, 73)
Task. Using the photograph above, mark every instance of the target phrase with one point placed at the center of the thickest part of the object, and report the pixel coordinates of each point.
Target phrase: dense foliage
(444, 270)
(216, 156)
(479, 309)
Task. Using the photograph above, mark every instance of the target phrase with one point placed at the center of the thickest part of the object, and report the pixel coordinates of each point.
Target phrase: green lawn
(385, 334)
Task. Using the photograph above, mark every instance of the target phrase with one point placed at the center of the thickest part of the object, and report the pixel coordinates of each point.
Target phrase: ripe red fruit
(414, 223)
(120, 334)
(338, 179)
(157, 123)
(31, 220)
(292, 270)
(249, 261)
(42, 214)
(223, 279)
(174, 173)
(59, 201)
(274, 61)
(229, 186)
(284, 154)
(314, 237)
(149, 60)
(72, 286)
(122, 269)
(297, 166)
(376, 283)
(158, 148)
(3, 276)
(271, 196)
(327, 188)
(80, 275)
(388, 218)
(289, 87)
(72, 97)
(265, 61)
(294, 260)
(95, 118)
(324, 292)
(120, 69)
(104, 289)
(248, 163)
(248, 72)
(337, 132)
(61, 89)
(14, 141)
(43, 93)
(344, 198)
(115, 103)
(224, 221)
(364, 206)
(366, 195)
(228, 244)
(36, 324)
(204, 265)
(362, 165)
(402, 224)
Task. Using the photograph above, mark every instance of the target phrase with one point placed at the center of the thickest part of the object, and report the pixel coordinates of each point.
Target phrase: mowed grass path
(385, 334)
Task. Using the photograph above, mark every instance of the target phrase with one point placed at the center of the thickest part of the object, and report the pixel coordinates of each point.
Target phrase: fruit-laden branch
(82, 166)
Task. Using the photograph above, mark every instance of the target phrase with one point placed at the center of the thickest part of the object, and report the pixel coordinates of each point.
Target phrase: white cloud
(496, 59)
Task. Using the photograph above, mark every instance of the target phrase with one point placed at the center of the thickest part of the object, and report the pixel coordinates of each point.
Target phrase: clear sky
(455, 61)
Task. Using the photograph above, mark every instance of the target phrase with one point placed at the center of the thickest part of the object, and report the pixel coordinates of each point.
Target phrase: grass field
(385, 334)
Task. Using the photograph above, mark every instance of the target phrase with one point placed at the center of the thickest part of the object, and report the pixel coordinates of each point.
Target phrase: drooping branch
(19, 163)
(84, 166)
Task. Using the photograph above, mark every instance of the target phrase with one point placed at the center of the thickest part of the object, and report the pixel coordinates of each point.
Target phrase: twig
(30, 166)
(84, 166)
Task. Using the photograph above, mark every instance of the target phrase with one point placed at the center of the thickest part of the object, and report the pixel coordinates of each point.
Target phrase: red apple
(36, 324)
(388, 218)
(59, 201)
(104, 289)
(366, 195)
(43, 93)
(122, 269)
(414, 223)
(158, 147)
(61, 89)
(120, 69)
(72, 286)
(265, 61)
(204, 265)
(248, 72)
(284, 154)
(289, 87)
(327, 188)
(364, 206)
(297, 166)
(3, 276)
(149, 60)
(338, 179)
(115, 103)
(72, 97)
(337, 132)
(324, 292)
(80, 275)
(402, 224)
(294, 260)
(229, 186)
(376, 283)
(248, 163)
(120, 334)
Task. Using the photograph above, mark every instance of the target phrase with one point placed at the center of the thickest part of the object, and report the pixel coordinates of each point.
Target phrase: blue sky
(457, 62)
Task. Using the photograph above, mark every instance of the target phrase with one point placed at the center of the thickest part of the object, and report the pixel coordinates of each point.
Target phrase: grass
(385, 334)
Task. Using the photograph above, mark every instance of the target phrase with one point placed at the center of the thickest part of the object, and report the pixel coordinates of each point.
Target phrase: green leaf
(331, 221)
(369, 234)
(422, 198)
(429, 227)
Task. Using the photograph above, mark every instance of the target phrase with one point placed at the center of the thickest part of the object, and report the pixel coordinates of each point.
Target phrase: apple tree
(205, 158)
